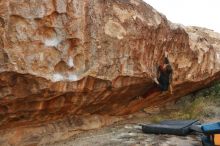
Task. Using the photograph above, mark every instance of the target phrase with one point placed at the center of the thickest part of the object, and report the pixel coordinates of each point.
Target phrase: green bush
(203, 105)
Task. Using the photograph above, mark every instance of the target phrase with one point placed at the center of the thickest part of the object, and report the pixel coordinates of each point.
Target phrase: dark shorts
(163, 83)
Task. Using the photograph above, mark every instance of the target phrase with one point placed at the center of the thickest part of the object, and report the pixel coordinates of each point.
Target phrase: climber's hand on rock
(156, 81)
(171, 89)
(166, 54)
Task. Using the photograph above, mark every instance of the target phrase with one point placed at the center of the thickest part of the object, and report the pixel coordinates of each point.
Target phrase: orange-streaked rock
(83, 57)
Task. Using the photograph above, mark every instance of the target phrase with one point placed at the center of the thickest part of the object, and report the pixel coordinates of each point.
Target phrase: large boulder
(85, 57)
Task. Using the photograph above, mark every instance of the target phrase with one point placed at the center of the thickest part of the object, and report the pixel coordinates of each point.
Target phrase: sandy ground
(127, 133)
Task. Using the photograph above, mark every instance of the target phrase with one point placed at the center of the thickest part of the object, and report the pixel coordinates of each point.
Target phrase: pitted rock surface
(82, 57)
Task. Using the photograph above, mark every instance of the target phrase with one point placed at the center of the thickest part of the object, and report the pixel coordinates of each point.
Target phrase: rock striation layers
(83, 57)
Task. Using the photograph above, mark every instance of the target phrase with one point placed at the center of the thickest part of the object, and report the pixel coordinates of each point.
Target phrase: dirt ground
(128, 133)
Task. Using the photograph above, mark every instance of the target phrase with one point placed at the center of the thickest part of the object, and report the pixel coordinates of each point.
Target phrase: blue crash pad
(213, 128)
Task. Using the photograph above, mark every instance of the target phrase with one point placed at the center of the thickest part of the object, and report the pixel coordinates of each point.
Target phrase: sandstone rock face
(83, 57)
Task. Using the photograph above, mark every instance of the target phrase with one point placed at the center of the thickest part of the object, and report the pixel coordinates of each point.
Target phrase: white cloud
(203, 13)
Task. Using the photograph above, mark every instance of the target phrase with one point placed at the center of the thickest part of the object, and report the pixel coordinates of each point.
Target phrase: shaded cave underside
(32, 100)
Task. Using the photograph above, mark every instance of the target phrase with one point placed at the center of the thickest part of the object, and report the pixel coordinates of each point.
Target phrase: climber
(164, 75)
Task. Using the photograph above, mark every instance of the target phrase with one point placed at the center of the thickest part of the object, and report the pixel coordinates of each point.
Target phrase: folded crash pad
(206, 141)
(212, 132)
(212, 128)
(211, 140)
(217, 139)
(173, 127)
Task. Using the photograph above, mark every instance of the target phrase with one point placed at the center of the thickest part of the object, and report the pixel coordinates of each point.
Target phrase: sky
(203, 13)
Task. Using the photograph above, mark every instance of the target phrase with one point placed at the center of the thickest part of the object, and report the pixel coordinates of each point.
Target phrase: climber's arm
(170, 85)
(171, 88)
(166, 54)
(157, 75)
